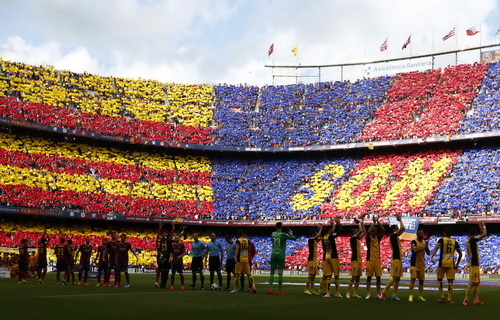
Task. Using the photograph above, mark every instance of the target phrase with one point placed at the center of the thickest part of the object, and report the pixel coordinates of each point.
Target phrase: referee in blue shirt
(197, 252)
(213, 251)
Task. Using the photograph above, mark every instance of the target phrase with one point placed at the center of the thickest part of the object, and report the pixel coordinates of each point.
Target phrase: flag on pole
(449, 35)
(295, 50)
(472, 31)
(383, 47)
(271, 50)
(498, 31)
(407, 42)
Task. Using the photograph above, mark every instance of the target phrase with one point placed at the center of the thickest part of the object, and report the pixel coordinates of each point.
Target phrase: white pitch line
(99, 294)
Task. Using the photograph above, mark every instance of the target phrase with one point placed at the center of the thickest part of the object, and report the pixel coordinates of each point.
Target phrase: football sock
(368, 286)
(252, 283)
(356, 286)
(327, 284)
(228, 279)
(280, 281)
(219, 275)
(271, 280)
(388, 285)
(194, 279)
(396, 287)
(202, 279)
(182, 279)
(349, 286)
(412, 285)
(467, 291)
(236, 279)
(450, 292)
(440, 287)
(421, 289)
(337, 284)
(212, 275)
(476, 292)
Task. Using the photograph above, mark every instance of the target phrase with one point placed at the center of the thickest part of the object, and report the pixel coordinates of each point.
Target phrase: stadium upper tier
(459, 99)
(43, 173)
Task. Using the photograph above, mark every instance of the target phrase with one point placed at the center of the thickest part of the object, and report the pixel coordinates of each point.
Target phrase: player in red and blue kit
(122, 249)
(110, 258)
(71, 261)
(178, 253)
(62, 255)
(41, 266)
(101, 261)
(23, 261)
(85, 251)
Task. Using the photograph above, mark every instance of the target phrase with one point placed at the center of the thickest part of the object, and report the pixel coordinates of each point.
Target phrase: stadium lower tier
(45, 173)
(143, 243)
(457, 99)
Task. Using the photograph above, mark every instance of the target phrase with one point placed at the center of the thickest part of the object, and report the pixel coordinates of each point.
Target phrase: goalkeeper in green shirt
(278, 255)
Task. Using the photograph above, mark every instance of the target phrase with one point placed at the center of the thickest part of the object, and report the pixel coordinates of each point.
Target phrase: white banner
(391, 68)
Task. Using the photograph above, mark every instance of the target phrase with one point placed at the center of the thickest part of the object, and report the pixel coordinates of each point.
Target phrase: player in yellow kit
(312, 260)
(446, 265)
(331, 265)
(373, 264)
(242, 261)
(356, 259)
(473, 252)
(396, 263)
(419, 247)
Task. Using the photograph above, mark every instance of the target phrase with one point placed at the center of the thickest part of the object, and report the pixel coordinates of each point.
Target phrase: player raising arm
(312, 259)
(278, 255)
(396, 264)
(473, 252)
(356, 259)
(446, 266)
(373, 264)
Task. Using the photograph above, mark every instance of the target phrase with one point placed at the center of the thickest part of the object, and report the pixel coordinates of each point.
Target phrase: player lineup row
(112, 256)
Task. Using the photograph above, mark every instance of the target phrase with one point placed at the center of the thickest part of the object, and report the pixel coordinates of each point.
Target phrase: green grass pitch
(143, 301)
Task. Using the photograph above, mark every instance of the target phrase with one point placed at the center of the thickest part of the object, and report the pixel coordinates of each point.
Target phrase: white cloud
(211, 41)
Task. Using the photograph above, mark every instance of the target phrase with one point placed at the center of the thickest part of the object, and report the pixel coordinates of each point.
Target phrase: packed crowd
(484, 115)
(49, 174)
(46, 174)
(409, 105)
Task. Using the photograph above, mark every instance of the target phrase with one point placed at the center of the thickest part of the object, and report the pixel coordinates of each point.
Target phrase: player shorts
(331, 266)
(448, 271)
(122, 266)
(396, 268)
(356, 268)
(373, 268)
(196, 264)
(61, 266)
(103, 266)
(177, 267)
(230, 265)
(85, 267)
(417, 273)
(277, 263)
(474, 276)
(312, 267)
(112, 265)
(242, 268)
(214, 263)
(23, 266)
(41, 264)
(164, 264)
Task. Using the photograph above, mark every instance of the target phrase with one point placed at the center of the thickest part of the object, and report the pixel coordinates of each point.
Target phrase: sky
(227, 41)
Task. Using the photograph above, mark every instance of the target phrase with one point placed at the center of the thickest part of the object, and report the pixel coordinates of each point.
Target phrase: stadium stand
(409, 105)
(40, 173)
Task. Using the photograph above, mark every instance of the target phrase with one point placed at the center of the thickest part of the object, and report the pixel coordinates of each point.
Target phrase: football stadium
(365, 189)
